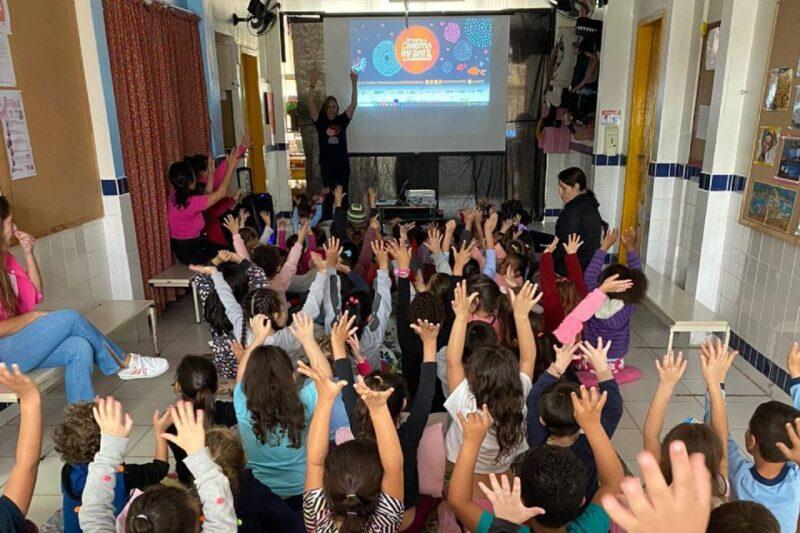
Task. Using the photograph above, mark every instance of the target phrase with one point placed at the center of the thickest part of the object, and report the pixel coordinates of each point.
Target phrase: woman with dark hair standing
(331, 127)
(580, 216)
(185, 207)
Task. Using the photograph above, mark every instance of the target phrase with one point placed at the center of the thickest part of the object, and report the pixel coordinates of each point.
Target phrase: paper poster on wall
(779, 89)
(712, 48)
(796, 108)
(789, 167)
(5, 17)
(15, 135)
(7, 77)
(767, 145)
(610, 117)
(702, 121)
(771, 205)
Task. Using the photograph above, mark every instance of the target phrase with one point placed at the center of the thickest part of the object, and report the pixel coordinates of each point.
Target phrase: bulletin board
(773, 188)
(705, 86)
(65, 191)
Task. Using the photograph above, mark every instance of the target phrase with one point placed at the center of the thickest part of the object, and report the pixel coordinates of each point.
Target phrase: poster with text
(7, 76)
(15, 135)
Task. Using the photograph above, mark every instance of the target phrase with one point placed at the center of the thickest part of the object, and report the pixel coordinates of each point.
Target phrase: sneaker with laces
(142, 367)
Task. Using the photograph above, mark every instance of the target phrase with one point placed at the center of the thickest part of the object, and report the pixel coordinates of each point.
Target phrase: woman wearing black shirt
(331, 127)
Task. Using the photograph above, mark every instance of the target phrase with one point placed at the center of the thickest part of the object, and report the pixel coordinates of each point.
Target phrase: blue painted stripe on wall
(552, 212)
(603, 160)
(706, 182)
(116, 187)
(760, 362)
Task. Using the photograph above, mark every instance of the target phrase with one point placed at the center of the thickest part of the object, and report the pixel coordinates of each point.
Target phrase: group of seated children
(493, 412)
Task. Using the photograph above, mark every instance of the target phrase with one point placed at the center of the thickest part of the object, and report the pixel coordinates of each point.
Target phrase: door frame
(644, 94)
(254, 118)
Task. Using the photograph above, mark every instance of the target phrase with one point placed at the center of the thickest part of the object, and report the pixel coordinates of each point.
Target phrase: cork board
(773, 187)
(65, 191)
(705, 86)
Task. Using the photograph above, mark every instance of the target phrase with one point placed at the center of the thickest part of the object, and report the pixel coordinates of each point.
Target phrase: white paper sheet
(7, 77)
(702, 121)
(15, 135)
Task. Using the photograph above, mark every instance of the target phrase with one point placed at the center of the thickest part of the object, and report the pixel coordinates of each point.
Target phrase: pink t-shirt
(186, 222)
(27, 294)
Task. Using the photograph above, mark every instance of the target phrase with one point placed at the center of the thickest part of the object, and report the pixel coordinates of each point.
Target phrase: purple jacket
(616, 328)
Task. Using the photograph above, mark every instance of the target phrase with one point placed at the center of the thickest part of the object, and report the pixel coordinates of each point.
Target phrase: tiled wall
(73, 263)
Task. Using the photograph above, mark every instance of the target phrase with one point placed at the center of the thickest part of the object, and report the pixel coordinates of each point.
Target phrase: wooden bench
(675, 306)
(107, 316)
(178, 277)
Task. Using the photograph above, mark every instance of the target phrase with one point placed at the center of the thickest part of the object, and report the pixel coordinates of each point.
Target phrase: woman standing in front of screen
(334, 161)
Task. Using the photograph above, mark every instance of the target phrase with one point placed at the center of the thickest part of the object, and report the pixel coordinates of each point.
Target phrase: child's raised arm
(389, 449)
(670, 370)
(793, 365)
(340, 331)
(22, 479)
(303, 329)
(455, 347)
(715, 361)
(522, 304)
(596, 264)
(474, 427)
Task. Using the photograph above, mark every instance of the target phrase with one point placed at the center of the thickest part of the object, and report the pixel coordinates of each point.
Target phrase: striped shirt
(319, 518)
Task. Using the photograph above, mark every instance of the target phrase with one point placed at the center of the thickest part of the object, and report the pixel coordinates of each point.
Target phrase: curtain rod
(170, 6)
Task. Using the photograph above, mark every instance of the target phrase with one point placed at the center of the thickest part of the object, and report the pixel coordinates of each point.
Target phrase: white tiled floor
(180, 336)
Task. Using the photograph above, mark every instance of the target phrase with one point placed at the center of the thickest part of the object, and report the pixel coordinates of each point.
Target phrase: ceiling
(415, 6)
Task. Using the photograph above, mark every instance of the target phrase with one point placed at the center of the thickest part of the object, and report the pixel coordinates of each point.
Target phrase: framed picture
(789, 167)
(771, 205)
(779, 89)
(767, 145)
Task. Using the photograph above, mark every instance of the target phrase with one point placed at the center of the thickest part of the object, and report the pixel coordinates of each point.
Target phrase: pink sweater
(573, 323)
(27, 293)
(281, 281)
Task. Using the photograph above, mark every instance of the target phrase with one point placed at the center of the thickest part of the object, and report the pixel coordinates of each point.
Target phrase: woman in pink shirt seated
(185, 208)
(33, 339)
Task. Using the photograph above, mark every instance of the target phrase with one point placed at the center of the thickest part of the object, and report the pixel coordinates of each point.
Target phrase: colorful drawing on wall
(771, 206)
(779, 89)
(767, 145)
(789, 167)
(796, 109)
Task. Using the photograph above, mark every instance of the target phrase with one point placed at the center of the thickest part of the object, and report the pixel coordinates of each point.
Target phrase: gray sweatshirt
(97, 512)
(282, 338)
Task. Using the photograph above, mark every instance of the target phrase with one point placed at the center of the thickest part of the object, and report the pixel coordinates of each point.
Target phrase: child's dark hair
(426, 306)
(634, 295)
(479, 334)
(272, 398)
(292, 240)
(518, 263)
(267, 258)
(768, 427)
(546, 344)
(555, 408)
(260, 302)
(248, 234)
(439, 284)
(226, 450)
(352, 483)
(555, 479)
(163, 509)
(743, 517)
(492, 301)
(235, 275)
(381, 381)
(199, 163)
(181, 176)
(698, 438)
(493, 376)
(358, 304)
(567, 294)
(77, 437)
(197, 378)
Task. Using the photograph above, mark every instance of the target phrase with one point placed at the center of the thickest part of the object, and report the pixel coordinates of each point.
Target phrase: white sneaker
(141, 367)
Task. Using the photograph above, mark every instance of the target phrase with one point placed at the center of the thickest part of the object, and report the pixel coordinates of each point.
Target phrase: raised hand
(564, 356)
(462, 256)
(793, 360)
(688, 498)
(341, 330)
(715, 361)
(375, 223)
(304, 232)
(474, 426)
(302, 327)
(237, 350)
(609, 239)
(113, 421)
(372, 399)
(793, 453)
(338, 196)
(319, 262)
(523, 302)
(190, 425)
(261, 326)
(333, 250)
(161, 422)
(588, 407)
(629, 238)
(20, 384)
(372, 197)
(506, 225)
(355, 347)
(671, 368)
(206, 270)
(226, 256)
(327, 389)
(462, 305)
(381, 254)
(427, 332)
(490, 224)
(573, 243)
(507, 500)
(434, 239)
(597, 356)
(614, 285)
(404, 229)
(353, 77)
(552, 246)
(265, 218)
(401, 254)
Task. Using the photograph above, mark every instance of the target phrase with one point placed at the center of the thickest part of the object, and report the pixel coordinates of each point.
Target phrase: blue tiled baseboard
(706, 182)
(761, 362)
(115, 187)
(603, 160)
(552, 212)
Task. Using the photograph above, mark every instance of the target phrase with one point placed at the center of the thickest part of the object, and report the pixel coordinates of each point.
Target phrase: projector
(421, 197)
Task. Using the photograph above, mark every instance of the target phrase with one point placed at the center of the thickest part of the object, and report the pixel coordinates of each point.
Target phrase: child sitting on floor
(77, 440)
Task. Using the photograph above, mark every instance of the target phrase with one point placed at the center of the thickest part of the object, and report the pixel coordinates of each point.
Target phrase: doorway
(635, 205)
(254, 118)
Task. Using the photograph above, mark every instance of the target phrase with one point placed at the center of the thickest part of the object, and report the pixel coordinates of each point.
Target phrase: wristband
(402, 272)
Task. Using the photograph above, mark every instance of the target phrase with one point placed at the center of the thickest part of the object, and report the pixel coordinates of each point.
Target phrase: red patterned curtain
(160, 92)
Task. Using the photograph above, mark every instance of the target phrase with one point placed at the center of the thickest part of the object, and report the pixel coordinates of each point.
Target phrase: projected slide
(434, 61)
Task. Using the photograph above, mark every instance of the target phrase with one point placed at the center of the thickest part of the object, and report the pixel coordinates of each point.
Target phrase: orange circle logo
(416, 49)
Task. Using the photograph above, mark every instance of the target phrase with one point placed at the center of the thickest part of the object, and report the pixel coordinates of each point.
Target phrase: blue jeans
(63, 338)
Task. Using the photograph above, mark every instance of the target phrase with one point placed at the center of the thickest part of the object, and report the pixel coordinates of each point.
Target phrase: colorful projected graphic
(442, 61)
